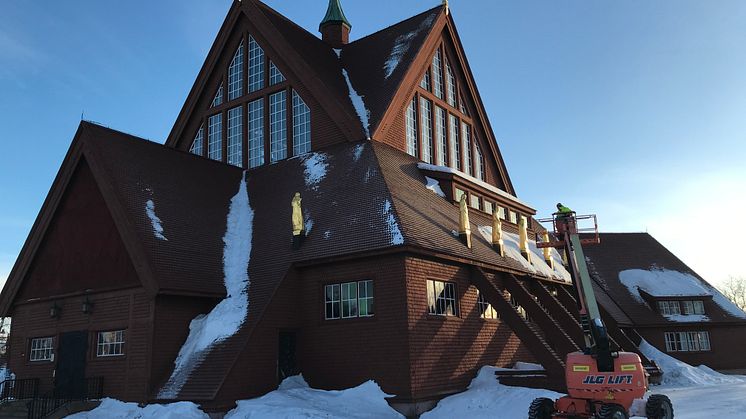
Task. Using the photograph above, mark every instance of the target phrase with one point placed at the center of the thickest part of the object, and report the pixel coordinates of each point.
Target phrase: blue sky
(633, 110)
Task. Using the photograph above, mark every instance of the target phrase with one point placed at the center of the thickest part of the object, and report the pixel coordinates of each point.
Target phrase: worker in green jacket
(563, 210)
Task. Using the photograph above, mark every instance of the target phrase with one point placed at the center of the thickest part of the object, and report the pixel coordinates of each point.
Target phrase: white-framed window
(110, 343)
(412, 128)
(440, 136)
(501, 212)
(450, 85)
(669, 307)
(441, 298)
(426, 117)
(462, 106)
(455, 143)
(486, 311)
(458, 194)
(218, 99)
(215, 137)
(256, 132)
(278, 130)
(348, 299)
(425, 82)
(275, 76)
(466, 136)
(235, 75)
(474, 201)
(198, 142)
(693, 307)
(235, 136)
(489, 207)
(513, 217)
(256, 66)
(438, 75)
(301, 126)
(478, 162)
(42, 349)
(697, 341)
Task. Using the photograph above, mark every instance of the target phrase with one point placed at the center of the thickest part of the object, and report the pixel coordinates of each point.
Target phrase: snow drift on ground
(667, 283)
(227, 317)
(295, 399)
(487, 398)
(388, 215)
(154, 220)
(114, 409)
(680, 374)
(537, 264)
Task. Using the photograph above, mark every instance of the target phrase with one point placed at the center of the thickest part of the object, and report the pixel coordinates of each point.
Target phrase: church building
(332, 208)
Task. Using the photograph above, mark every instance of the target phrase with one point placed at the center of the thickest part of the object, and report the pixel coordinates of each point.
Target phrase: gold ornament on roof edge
(297, 217)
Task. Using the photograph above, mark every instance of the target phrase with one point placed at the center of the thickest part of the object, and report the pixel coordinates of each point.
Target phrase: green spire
(334, 14)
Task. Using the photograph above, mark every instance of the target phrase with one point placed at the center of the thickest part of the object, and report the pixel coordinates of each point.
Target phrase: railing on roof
(585, 225)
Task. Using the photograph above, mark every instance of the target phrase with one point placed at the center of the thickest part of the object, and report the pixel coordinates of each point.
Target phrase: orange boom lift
(601, 383)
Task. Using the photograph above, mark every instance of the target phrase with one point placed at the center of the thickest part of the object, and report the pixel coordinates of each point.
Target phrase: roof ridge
(395, 24)
(285, 18)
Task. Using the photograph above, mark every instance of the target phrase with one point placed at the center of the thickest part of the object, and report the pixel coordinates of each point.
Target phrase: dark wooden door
(286, 363)
(70, 373)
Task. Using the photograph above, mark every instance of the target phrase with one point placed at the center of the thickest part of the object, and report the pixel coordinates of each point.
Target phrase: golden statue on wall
(523, 238)
(297, 217)
(464, 227)
(548, 251)
(497, 231)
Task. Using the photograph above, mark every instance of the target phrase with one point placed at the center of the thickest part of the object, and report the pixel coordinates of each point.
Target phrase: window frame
(340, 293)
(438, 306)
(41, 349)
(486, 311)
(121, 344)
(688, 341)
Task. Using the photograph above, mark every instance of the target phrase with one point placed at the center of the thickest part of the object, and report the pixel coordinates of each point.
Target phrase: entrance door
(70, 373)
(286, 365)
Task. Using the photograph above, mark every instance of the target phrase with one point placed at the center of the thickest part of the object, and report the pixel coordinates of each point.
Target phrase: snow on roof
(686, 318)
(358, 151)
(315, 169)
(668, 283)
(537, 265)
(154, 220)
(357, 101)
(227, 317)
(295, 399)
(485, 185)
(434, 186)
(401, 46)
(396, 237)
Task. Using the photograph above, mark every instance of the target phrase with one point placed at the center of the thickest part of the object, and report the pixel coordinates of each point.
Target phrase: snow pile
(114, 409)
(401, 46)
(359, 104)
(154, 220)
(358, 151)
(396, 237)
(667, 283)
(487, 398)
(537, 265)
(680, 374)
(434, 186)
(227, 317)
(315, 165)
(295, 399)
(472, 179)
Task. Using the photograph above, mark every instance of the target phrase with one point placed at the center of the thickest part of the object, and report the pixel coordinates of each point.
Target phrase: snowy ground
(696, 393)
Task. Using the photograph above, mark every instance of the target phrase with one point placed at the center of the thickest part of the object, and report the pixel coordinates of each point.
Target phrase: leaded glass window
(426, 116)
(256, 132)
(466, 136)
(450, 85)
(440, 136)
(235, 136)
(275, 76)
(301, 125)
(478, 162)
(425, 82)
(110, 343)
(198, 143)
(278, 132)
(235, 75)
(218, 99)
(348, 300)
(215, 137)
(256, 66)
(412, 128)
(365, 298)
(438, 75)
(455, 143)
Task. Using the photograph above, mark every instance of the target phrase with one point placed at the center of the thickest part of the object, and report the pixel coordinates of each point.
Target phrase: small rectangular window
(441, 297)
(459, 193)
(278, 130)
(687, 341)
(348, 300)
(488, 207)
(699, 307)
(215, 137)
(486, 311)
(501, 213)
(42, 349)
(513, 217)
(669, 308)
(235, 136)
(110, 343)
(474, 201)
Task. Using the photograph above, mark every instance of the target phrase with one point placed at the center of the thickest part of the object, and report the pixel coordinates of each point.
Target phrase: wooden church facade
(382, 137)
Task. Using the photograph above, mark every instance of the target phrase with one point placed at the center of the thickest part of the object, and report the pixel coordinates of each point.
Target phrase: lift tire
(541, 408)
(659, 406)
(612, 411)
